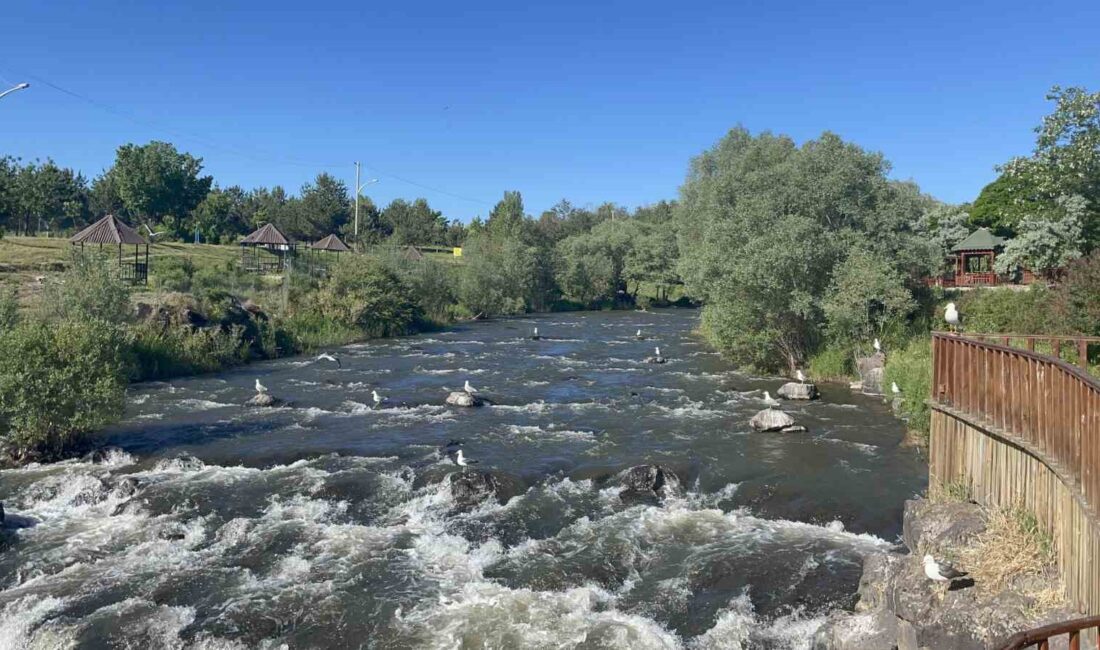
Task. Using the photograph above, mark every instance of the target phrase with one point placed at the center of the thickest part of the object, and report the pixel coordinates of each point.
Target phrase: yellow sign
(458, 252)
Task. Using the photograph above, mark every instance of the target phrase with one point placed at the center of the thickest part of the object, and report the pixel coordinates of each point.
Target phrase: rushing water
(326, 523)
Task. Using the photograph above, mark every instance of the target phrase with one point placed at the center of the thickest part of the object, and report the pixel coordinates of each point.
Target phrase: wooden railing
(1022, 429)
(1042, 636)
(1075, 348)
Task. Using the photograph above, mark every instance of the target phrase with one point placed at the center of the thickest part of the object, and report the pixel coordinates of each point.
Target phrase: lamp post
(359, 186)
(17, 87)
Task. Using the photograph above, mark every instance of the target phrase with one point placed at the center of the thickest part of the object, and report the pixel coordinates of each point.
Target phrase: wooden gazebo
(267, 250)
(331, 244)
(111, 231)
(974, 257)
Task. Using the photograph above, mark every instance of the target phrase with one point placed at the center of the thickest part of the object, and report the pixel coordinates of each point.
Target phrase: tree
(222, 215)
(865, 294)
(323, 208)
(501, 275)
(155, 181)
(507, 218)
(414, 223)
(1002, 204)
(1046, 242)
(49, 197)
(1077, 297)
(1066, 158)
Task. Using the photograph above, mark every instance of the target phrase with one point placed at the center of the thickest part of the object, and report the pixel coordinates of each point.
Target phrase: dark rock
(100, 455)
(471, 487)
(655, 360)
(796, 428)
(1, 512)
(264, 400)
(649, 480)
(181, 463)
(464, 399)
(862, 631)
(938, 526)
(798, 390)
(771, 419)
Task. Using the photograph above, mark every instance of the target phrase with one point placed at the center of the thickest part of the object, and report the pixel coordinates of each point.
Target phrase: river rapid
(328, 523)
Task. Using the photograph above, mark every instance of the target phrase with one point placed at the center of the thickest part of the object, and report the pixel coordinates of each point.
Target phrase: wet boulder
(655, 360)
(1, 512)
(771, 419)
(181, 463)
(125, 487)
(464, 399)
(471, 487)
(101, 455)
(649, 480)
(264, 400)
(933, 526)
(798, 390)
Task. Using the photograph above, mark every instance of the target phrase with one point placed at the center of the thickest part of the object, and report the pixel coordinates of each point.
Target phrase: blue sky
(601, 101)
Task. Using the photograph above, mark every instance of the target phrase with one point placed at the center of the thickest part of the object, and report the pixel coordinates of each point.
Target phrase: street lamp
(18, 87)
(359, 186)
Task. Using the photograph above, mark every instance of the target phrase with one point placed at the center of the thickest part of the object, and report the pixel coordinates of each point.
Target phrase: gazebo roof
(331, 243)
(412, 253)
(979, 240)
(266, 235)
(108, 230)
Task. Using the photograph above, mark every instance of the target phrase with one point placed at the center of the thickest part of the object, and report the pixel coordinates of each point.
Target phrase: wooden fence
(1020, 428)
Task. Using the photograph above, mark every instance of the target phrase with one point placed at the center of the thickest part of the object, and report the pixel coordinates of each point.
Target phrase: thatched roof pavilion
(110, 230)
(331, 244)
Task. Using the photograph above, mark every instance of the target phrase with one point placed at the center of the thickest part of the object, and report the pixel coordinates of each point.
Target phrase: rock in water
(794, 428)
(462, 398)
(470, 487)
(771, 420)
(871, 372)
(263, 400)
(656, 360)
(796, 390)
(1, 512)
(647, 480)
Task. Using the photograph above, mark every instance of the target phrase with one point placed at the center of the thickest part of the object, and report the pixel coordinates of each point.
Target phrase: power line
(263, 157)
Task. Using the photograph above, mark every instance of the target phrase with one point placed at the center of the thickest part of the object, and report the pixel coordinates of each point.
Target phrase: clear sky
(590, 101)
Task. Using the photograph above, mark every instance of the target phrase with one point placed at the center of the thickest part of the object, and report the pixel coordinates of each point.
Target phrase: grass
(956, 491)
(1014, 550)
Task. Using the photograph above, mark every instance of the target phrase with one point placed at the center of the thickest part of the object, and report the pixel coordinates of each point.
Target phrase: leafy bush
(911, 368)
(89, 289)
(1077, 299)
(173, 274)
(9, 309)
(1012, 312)
(309, 329)
(370, 297)
(59, 381)
(165, 352)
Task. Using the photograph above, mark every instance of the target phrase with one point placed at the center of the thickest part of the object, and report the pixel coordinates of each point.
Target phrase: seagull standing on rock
(378, 399)
(468, 388)
(941, 571)
(877, 345)
(801, 377)
(657, 351)
(638, 335)
(461, 460)
(894, 388)
(769, 400)
(260, 388)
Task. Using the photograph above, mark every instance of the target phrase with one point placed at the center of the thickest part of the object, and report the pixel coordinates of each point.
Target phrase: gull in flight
(951, 315)
(468, 388)
(260, 388)
(328, 357)
(878, 346)
(769, 400)
(941, 571)
(894, 388)
(378, 399)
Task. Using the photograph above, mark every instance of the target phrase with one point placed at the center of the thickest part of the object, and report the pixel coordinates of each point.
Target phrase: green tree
(370, 297)
(865, 294)
(500, 276)
(414, 223)
(155, 181)
(507, 218)
(49, 197)
(323, 208)
(1046, 242)
(59, 381)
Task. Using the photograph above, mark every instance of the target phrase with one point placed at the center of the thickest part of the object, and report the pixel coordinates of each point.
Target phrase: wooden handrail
(1055, 341)
(1041, 636)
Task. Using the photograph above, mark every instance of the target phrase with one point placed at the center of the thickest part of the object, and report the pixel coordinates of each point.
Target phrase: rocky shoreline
(899, 607)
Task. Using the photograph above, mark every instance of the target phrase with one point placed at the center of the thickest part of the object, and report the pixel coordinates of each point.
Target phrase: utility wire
(263, 157)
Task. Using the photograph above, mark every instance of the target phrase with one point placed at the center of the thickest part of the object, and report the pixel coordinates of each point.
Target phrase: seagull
(894, 388)
(468, 388)
(769, 400)
(951, 315)
(461, 461)
(378, 399)
(801, 377)
(328, 357)
(878, 346)
(638, 335)
(941, 571)
(535, 334)
(152, 235)
(657, 351)
(260, 388)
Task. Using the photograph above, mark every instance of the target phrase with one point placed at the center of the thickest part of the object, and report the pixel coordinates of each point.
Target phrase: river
(328, 523)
